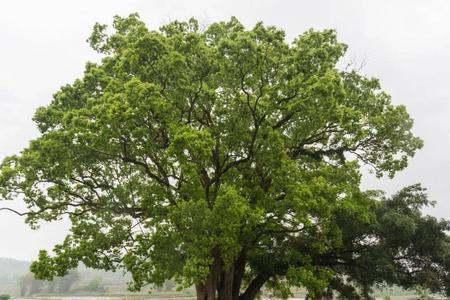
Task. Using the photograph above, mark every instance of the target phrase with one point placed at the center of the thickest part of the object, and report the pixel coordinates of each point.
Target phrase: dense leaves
(228, 159)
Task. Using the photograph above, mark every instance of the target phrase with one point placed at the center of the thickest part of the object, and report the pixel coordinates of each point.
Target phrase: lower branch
(254, 287)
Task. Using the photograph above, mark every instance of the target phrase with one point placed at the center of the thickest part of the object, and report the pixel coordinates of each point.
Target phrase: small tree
(5, 297)
(227, 159)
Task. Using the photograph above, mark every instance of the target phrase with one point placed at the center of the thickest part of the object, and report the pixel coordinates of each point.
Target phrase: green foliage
(5, 297)
(226, 158)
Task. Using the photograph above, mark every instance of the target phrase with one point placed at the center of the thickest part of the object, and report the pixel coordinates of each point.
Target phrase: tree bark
(254, 287)
(207, 290)
(239, 269)
(223, 284)
(225, 288)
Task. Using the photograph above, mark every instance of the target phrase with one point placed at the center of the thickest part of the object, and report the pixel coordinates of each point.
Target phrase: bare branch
(14, 211)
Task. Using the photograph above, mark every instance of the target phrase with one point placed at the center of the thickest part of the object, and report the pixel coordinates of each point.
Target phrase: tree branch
(14, 211)
(254, 287)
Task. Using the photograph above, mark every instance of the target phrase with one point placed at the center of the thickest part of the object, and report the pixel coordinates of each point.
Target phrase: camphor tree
(227, 159)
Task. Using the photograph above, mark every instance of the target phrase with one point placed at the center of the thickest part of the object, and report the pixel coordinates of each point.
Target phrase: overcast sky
(406, 44)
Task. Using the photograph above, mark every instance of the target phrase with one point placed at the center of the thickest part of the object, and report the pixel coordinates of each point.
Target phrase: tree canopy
(227, 159)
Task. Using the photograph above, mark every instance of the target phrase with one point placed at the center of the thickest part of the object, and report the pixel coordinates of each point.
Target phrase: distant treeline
(16, 279)
(28, 286)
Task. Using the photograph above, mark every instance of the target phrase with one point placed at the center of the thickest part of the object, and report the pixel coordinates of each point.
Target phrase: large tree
(227, 159)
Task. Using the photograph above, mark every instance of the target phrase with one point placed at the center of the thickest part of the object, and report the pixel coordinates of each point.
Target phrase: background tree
(36, 286)
(219, 157)
(66, 282)
(22, 287)
(29, 285)
(95, 285)
(396, 245)
(51, 286)
(24, 283)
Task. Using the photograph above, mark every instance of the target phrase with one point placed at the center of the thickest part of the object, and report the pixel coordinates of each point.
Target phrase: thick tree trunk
(207, 290)
(224, 284)
(225, 288)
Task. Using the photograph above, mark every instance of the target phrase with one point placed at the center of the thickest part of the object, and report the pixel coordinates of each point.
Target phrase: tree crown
(187, 151)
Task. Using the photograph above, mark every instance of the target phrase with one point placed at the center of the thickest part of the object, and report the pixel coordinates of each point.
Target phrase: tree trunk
(207, 290)
(225, 288)
(223, 284)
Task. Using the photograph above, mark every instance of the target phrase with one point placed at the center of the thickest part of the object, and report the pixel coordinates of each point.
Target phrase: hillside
(10, 269)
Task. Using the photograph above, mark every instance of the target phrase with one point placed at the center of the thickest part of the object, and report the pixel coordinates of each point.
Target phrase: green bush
(5, 297)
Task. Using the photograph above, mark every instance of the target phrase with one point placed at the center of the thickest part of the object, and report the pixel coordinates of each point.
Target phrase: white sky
(404, 43)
